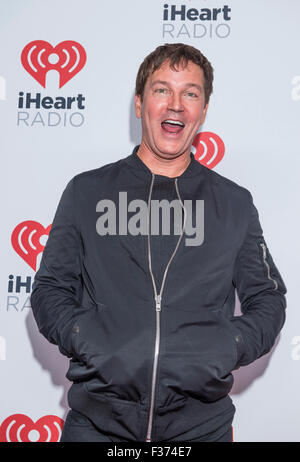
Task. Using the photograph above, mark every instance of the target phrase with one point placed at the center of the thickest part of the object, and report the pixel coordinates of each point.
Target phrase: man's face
(172, 109)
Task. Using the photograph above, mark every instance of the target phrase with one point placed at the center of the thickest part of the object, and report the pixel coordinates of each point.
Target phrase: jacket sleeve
(57, 286)
(261, 292)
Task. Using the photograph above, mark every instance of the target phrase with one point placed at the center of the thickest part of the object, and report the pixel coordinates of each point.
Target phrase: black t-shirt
(163, 245)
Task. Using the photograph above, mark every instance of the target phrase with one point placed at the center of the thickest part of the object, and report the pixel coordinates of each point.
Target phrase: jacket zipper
(267, 265)
(158, 299)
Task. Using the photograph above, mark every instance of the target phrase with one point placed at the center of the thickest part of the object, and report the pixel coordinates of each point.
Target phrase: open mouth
(172, 126)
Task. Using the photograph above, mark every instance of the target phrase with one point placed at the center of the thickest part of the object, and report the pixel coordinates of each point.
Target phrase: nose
(175, 102)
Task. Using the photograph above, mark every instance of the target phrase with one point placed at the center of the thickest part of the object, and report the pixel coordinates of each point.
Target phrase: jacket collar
(133, 160)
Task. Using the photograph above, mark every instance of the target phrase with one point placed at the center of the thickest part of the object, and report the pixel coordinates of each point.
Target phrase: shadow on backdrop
(245, 376)
(135, 131)
(50, 359)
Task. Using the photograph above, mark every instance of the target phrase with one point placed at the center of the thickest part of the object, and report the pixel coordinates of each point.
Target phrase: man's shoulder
(226, 185)
(228, 193)
(96, 174)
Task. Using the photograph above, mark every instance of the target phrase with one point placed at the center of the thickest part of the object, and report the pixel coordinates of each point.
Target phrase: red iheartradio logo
(20, 428)
(39, 57)
(208, 149)
(25, 240)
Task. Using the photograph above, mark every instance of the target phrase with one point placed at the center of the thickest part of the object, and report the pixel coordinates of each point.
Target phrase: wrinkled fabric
(78, 428)
(93, 297)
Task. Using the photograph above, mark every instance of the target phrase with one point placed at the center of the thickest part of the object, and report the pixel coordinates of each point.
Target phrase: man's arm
(57, 287)
(261, 292)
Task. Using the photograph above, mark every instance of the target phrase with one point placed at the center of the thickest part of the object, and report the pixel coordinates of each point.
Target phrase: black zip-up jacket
(151, 361)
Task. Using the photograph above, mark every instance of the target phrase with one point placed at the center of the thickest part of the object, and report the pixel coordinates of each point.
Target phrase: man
(147, 318)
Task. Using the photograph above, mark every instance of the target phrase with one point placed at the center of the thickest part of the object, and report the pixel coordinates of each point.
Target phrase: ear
(138, 106)
(204, 114)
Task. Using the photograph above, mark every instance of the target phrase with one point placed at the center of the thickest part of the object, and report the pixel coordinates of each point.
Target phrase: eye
(192, 95)
(161, 90)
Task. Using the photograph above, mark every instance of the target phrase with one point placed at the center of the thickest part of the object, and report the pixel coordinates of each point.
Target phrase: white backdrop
(255, 109)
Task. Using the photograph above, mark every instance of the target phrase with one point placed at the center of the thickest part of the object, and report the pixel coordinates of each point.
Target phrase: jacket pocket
(199, 358)
(85, 334)
(237, 339)
(80, 368)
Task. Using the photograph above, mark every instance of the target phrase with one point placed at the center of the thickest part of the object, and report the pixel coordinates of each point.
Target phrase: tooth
(175, 122)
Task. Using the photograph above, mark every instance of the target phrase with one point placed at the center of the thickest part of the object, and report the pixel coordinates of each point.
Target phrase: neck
(164, 166)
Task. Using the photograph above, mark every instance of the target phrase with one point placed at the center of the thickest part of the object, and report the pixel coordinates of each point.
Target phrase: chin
(170, 147)
(172, 151)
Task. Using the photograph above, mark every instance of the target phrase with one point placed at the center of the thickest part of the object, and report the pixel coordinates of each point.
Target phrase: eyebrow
(187, 85)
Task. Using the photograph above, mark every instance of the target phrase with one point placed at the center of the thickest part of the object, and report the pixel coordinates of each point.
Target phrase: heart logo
(20, 428)
(208, 148)
(25, 240)
(67, 58)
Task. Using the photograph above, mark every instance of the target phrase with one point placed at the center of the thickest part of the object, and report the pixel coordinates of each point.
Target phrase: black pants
(79, 428)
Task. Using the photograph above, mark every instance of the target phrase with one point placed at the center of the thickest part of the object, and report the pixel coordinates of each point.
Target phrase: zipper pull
(158, 302)
(264, 250)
